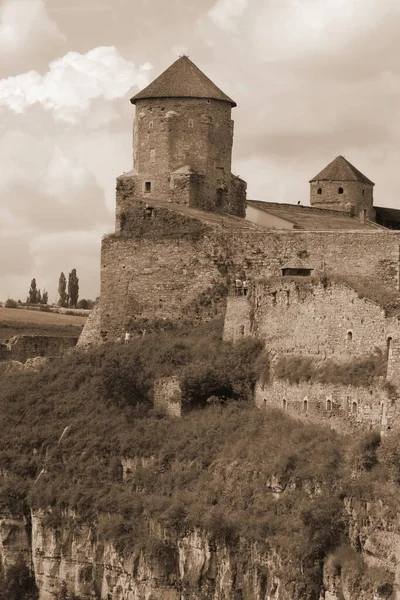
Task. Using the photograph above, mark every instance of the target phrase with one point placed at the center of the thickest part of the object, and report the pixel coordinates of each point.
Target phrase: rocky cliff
(194, 566)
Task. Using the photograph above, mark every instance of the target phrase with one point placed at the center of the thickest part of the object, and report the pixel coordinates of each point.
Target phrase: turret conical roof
(341, 170)
(182, 80)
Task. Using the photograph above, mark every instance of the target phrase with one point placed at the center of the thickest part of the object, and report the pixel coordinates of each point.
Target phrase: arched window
(305, 404)
(349, 336)
(328, 404)
(340, 190)
(284, 404)
(319, 191)
(354, 408)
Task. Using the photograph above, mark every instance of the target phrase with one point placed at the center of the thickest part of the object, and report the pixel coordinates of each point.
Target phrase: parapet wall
(345, 408)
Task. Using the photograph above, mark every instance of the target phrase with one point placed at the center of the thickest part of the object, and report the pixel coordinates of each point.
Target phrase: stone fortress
(183, 227)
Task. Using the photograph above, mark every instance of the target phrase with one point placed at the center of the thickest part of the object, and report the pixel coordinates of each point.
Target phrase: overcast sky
(312, 79)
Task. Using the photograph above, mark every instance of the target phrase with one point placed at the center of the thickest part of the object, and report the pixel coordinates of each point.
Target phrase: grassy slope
(211, 469)
(17, 321)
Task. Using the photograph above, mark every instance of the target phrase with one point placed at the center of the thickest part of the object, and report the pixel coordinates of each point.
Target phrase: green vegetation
(359, 372)
(66, 430)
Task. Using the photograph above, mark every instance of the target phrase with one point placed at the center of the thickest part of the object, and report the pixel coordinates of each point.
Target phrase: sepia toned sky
(312, 79)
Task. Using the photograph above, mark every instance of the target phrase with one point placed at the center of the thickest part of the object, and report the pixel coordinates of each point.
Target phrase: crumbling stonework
(168, 396)
(90, 335)
(237, 323)
(23, 347)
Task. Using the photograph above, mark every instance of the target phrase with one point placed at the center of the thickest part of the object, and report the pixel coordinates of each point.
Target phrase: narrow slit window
(273, 295)
(340, 190)
(349, 336)
(284, 404)
(354, 408)
(329, 404)
(305, 405)
(147, 186)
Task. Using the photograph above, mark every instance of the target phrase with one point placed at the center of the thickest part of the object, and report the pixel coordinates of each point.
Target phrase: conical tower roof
(182, 80)
(341, 170)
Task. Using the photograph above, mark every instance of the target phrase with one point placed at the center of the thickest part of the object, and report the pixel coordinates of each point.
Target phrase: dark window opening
(287, 297)
(147, 186)
(296, 272)
(388, 346)
(382, 408)
(273, 295)
(354, 408)
(319, 191)
(284, 404)
(340, 190)
(363, 192)
(329, 405)
(305, 404)
(349, 336)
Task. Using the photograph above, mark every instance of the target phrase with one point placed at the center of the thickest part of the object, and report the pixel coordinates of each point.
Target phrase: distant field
(17, 321)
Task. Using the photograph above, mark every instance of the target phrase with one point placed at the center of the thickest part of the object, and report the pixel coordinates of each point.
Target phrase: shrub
(11, 303)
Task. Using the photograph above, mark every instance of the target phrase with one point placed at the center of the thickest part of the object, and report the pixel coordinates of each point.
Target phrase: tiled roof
(182, 80)
(310, 218)
(341, 170)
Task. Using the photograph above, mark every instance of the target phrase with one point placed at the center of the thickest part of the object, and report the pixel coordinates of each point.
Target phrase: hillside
(34, 322)
(83, 455)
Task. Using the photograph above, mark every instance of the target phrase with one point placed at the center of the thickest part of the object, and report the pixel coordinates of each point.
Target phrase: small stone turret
(342, 187)
(182, 150)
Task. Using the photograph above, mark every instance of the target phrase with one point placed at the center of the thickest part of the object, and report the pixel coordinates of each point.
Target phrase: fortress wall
(237, 323)
(150, 279)
(91, 332)
(300, 317)
(22, 347)
(373, 253)
(344, 408)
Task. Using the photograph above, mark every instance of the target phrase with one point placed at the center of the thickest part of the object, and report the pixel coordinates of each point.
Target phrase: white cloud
(73, 82)
(25, 26)
(224, 12)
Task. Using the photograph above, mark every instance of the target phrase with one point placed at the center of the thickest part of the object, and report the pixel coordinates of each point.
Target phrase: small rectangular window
(147, 186)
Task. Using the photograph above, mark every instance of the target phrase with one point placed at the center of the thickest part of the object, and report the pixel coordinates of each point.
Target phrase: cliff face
(193, 566)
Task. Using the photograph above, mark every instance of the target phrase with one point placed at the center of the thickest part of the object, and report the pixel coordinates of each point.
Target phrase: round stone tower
(342, 187)
(182, 148)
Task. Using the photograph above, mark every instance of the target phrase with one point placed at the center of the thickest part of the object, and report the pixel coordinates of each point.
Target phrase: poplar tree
(62, 289)
(73, 288)
(45, 297)
(32, 294)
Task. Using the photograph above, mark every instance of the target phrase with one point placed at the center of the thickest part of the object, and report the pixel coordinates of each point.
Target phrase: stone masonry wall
(237, 323)
(168, 396)
(22, 347)
(162, 263)
(344, 408)
(301, 317)
(91, 331)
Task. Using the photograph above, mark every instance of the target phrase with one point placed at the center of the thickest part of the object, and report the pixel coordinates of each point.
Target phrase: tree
(62, 287)
(45, 297)
(38, 297)
(73, 288)
(32, 297)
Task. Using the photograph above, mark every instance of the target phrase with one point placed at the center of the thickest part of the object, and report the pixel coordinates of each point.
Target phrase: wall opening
(284, 404)
(287, 297)
(273, 296)
(354, 408)
(340, 190)
(319, 191)
(382, 408)
(296, 272)
(147, 186)
(363, 192)
(305, 404)
(329, 404)
(349, 336)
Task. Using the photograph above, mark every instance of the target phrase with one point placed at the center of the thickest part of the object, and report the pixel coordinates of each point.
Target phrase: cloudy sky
(312, 79)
